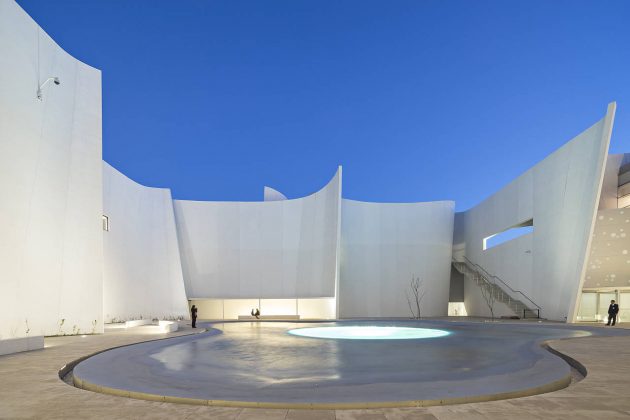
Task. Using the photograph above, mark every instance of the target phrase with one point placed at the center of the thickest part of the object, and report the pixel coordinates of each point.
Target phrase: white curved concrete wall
(561, 194)
(274, 249)
(59, 274)
(142, 270)
(50, 178)
(383, 246)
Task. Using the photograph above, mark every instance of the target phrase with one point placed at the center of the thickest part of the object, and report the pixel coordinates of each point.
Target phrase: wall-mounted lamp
(39, 90)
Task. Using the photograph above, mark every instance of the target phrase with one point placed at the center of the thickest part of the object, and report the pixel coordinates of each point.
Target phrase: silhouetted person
(256, 313)
(193, 312)
(613, 310)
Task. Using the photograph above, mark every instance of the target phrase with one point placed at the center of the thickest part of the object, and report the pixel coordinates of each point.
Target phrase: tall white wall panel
(142, 270)
(383, 245)
(273, 249)
(60, 273)
(50, 185)
(561, 194)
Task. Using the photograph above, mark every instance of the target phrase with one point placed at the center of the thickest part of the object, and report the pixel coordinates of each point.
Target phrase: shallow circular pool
(368, 332)
(379, 363)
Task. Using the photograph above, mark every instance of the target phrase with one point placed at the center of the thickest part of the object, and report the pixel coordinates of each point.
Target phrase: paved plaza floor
(31, 388)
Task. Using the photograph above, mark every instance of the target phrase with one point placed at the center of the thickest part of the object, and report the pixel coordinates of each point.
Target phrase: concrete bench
(137, 323)
(162, 326)
(276, 317)
(168, 326)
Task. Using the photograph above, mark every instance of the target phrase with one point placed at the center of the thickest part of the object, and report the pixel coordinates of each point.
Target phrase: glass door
(588, 307)
(624, 307)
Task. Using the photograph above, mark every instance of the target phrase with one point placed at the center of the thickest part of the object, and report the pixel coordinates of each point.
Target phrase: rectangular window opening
(105, 223)
(508, 234)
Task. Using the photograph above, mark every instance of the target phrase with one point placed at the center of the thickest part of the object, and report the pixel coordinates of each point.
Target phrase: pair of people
(613, 310)
(193, 314)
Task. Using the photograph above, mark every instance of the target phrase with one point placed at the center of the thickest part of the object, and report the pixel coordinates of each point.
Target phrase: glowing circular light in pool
(356, 332)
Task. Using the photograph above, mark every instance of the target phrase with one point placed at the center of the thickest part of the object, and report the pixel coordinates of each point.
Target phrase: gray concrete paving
(30, 388)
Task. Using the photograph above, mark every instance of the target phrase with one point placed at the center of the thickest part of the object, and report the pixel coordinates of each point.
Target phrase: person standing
(193, 313)
(613, 310)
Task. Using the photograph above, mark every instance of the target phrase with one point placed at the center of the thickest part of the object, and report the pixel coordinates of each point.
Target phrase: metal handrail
(532, 310)
(483, 270)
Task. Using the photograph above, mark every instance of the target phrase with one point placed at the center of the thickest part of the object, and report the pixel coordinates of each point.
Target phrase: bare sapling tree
(488, 294)
(414, 296)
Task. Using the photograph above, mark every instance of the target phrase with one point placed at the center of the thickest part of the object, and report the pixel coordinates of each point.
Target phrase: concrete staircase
(513, 299)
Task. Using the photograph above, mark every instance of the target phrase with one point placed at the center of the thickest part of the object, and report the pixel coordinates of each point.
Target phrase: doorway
(594, 305)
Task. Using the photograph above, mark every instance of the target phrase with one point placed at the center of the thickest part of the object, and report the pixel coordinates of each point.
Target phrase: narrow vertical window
(105, 223)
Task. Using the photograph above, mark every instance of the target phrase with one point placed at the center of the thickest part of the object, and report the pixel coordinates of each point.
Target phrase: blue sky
(417, 100)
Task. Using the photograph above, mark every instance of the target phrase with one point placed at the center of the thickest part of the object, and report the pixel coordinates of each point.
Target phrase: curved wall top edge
(52, 40)
(131, 180)
(271, 194)
(47, 35)
(409, 203)
(547, 156)
(335, 178)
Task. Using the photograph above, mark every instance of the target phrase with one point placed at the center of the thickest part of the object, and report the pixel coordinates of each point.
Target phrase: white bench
(168, 326)
(162, 326)
(137, 323)
(276, 317)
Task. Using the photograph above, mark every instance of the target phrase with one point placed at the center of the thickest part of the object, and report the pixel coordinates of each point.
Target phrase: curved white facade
(142, 273)
(560, 195)
(316, 256)
(384, 245)
(51, 252)
(272, 249)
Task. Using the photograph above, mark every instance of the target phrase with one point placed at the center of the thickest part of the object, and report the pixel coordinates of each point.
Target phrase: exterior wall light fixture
(55, 80)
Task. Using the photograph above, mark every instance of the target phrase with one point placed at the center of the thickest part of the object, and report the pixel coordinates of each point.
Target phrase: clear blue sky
(418, 100)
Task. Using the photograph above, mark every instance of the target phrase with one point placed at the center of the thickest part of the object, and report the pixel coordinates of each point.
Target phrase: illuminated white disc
(357, 332)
